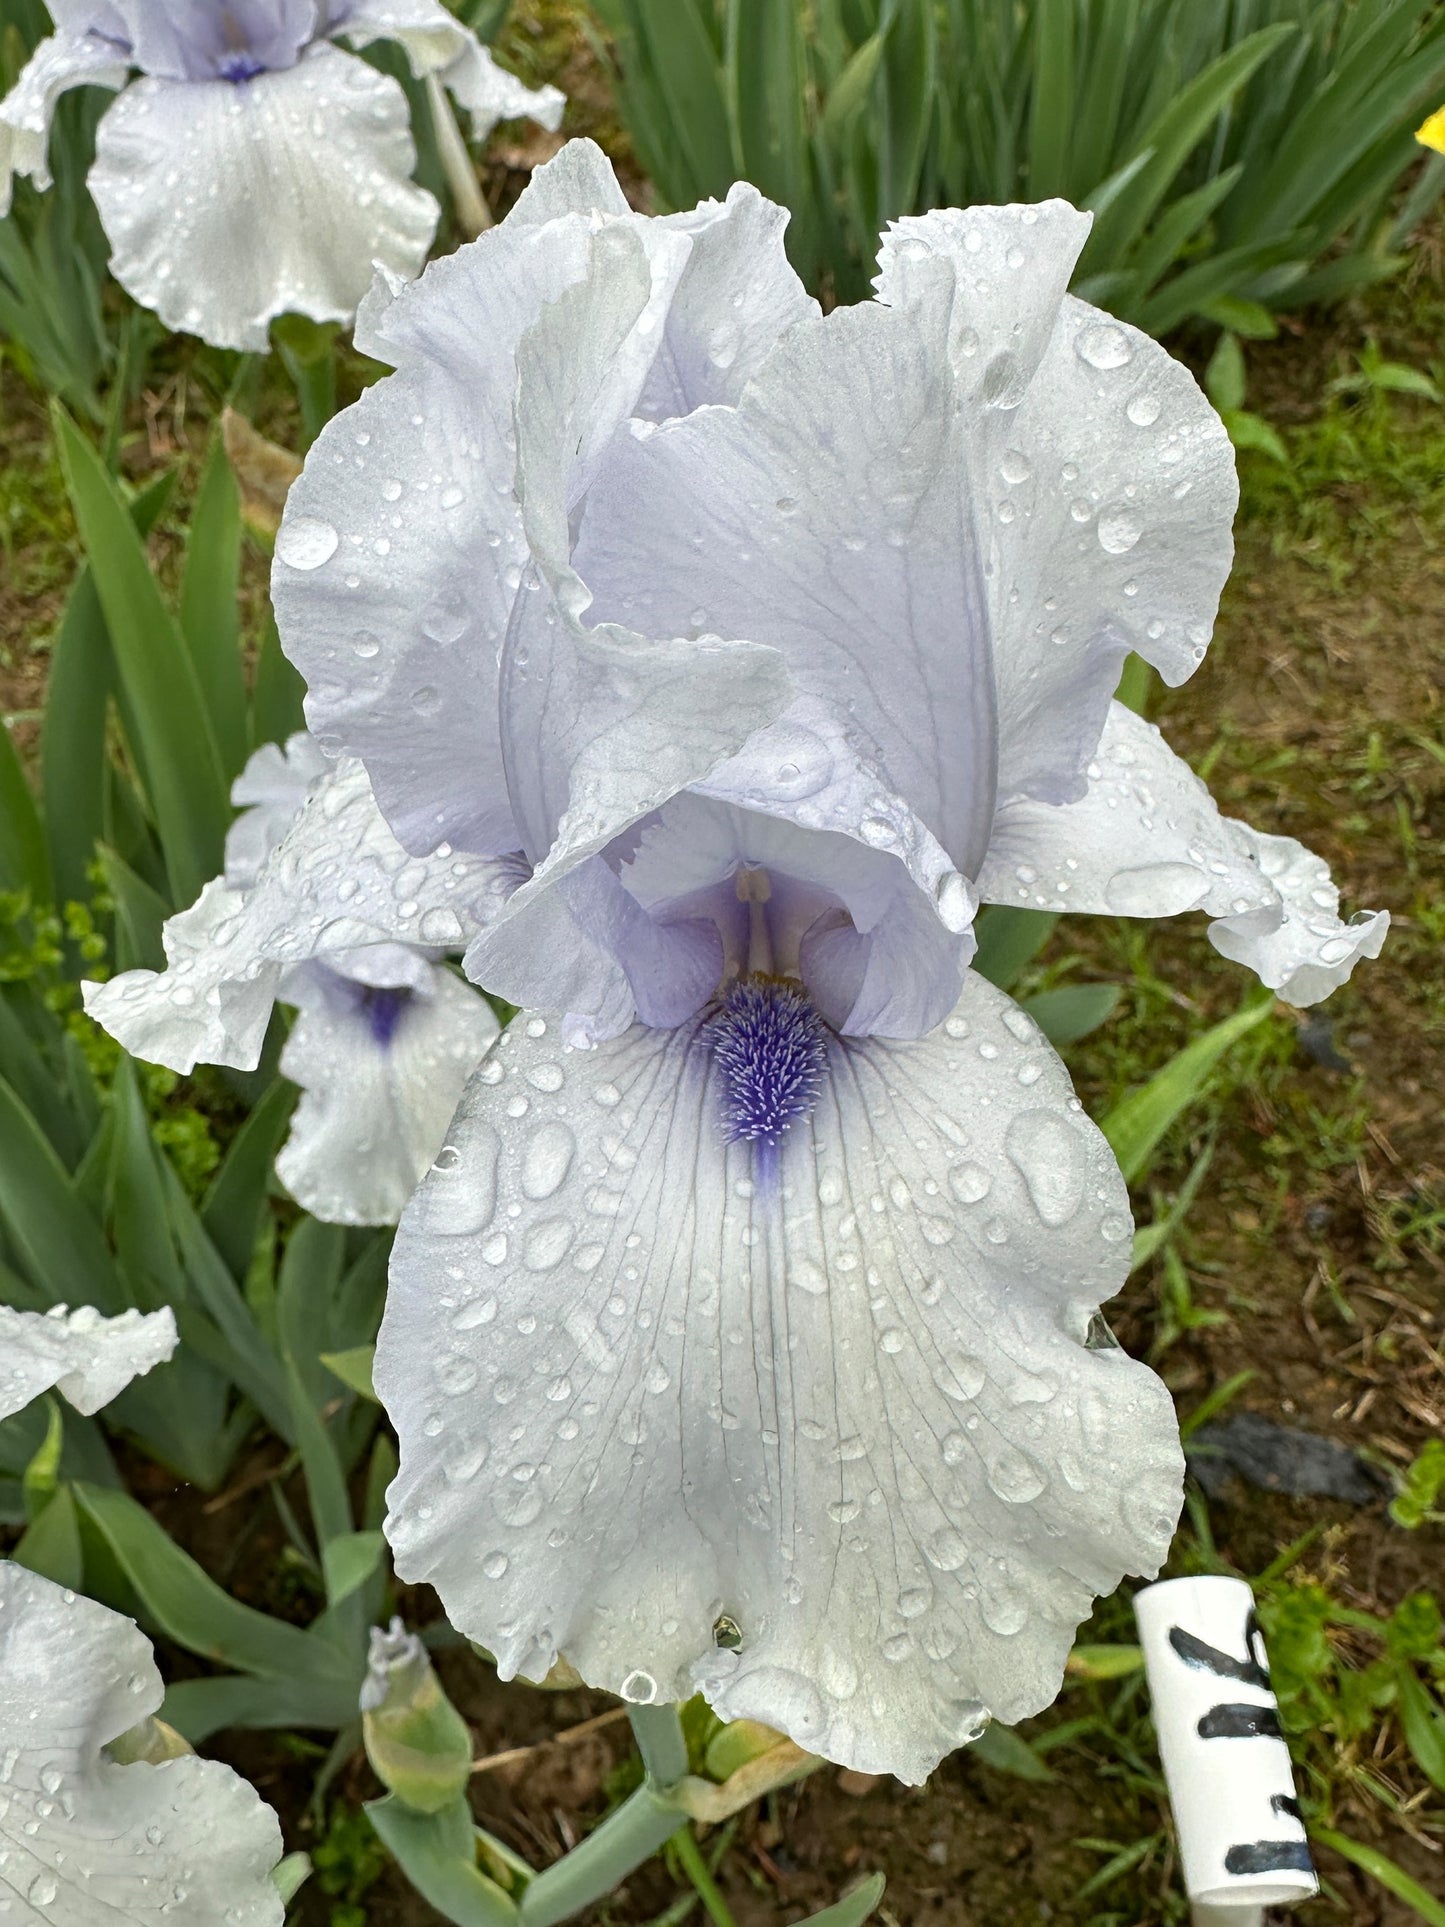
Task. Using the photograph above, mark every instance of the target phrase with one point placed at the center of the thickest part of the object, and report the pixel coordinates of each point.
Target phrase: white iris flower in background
(86, 1840)
(321, 908)
(251, 167)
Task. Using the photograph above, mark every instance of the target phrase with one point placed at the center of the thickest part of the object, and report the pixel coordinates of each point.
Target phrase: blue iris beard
(383, 1008)
(771, 1049)
(237, 67)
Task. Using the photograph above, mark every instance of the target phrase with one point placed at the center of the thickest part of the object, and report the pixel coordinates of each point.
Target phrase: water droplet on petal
(305, 542)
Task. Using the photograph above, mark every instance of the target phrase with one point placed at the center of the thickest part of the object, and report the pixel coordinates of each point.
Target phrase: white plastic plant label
(1241, 1839)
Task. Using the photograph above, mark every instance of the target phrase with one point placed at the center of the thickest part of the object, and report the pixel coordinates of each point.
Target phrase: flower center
(383, 1006)
(239, 66)
(771, 1049)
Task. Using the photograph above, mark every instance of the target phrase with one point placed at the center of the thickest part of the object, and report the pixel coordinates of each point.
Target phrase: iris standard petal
(339, 881)
(1147, 840)
(404, 558)
(655, 1391)
(1103, 483)
(437, 43)
(211, 194)
(87, 1843)
(381, 1065)
(89, 1358)
(827, 515)
(269, 793)
(65, 60)
(180, 40)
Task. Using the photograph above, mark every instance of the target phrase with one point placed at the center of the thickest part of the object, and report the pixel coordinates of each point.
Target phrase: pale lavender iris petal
(437, 43)
(826, 515)
(234, 40)
(1147, 840)
(739, 1320)
(399, 624)
(71, 58)
(85, 1840)
(208, 194)
(1101, 480)
(383, 1043)
(90, 1359)
(269, 793)
(338, 882)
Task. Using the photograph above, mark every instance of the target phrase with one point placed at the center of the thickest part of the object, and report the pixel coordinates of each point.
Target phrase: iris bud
(415, 1738)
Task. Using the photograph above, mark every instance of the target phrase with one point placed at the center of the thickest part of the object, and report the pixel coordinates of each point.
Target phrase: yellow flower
(1432, 134)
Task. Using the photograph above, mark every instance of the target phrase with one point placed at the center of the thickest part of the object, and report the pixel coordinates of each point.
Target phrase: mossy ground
(1312, 1258)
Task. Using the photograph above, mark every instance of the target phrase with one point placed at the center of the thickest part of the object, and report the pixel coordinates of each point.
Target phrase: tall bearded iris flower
(743, 1335)
(253, 168)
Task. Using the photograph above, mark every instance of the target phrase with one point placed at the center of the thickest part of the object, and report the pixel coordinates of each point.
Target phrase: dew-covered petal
(600, 724)
(269, 793)
(338, 882)
(826, 515)
(1312, 951)
(639, 1385)
(381, 1066)
(736, 295)
(87, 1843)
(1102, 482)
(396, 618)
(1147, 840)
(401, 549)
(209, 191)
(437, 43)
(63, 61)
(89, 1358)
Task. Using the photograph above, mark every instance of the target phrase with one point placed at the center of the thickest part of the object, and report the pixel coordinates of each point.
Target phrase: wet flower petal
(338, 882)
(209, 191)
(646, 1383)
(1147, 840)
(437, 43)
(64, 60)
(90, 1359)
(381, 1065)
(1105, 480)
(87, 1843)
(398, 628)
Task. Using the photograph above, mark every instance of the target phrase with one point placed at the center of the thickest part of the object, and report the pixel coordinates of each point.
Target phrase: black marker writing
(1253, 1671)
(1241, 1723)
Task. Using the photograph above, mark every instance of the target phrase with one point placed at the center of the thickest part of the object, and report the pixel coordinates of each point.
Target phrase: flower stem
(658, 1733)
(469, 203)
(612, 1851)
(696, 1869)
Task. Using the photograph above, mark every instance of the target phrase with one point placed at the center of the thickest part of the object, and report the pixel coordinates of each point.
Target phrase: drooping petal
(1311, 951)
(1103, 482)
(65, 60)
(1147, 840)
(209, 191)
(826, 514)
(640, 1384)
(269, 792)
(437, 43)
(88, 1358)
(87, 1843)
(381, 1065)
(339, 882)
